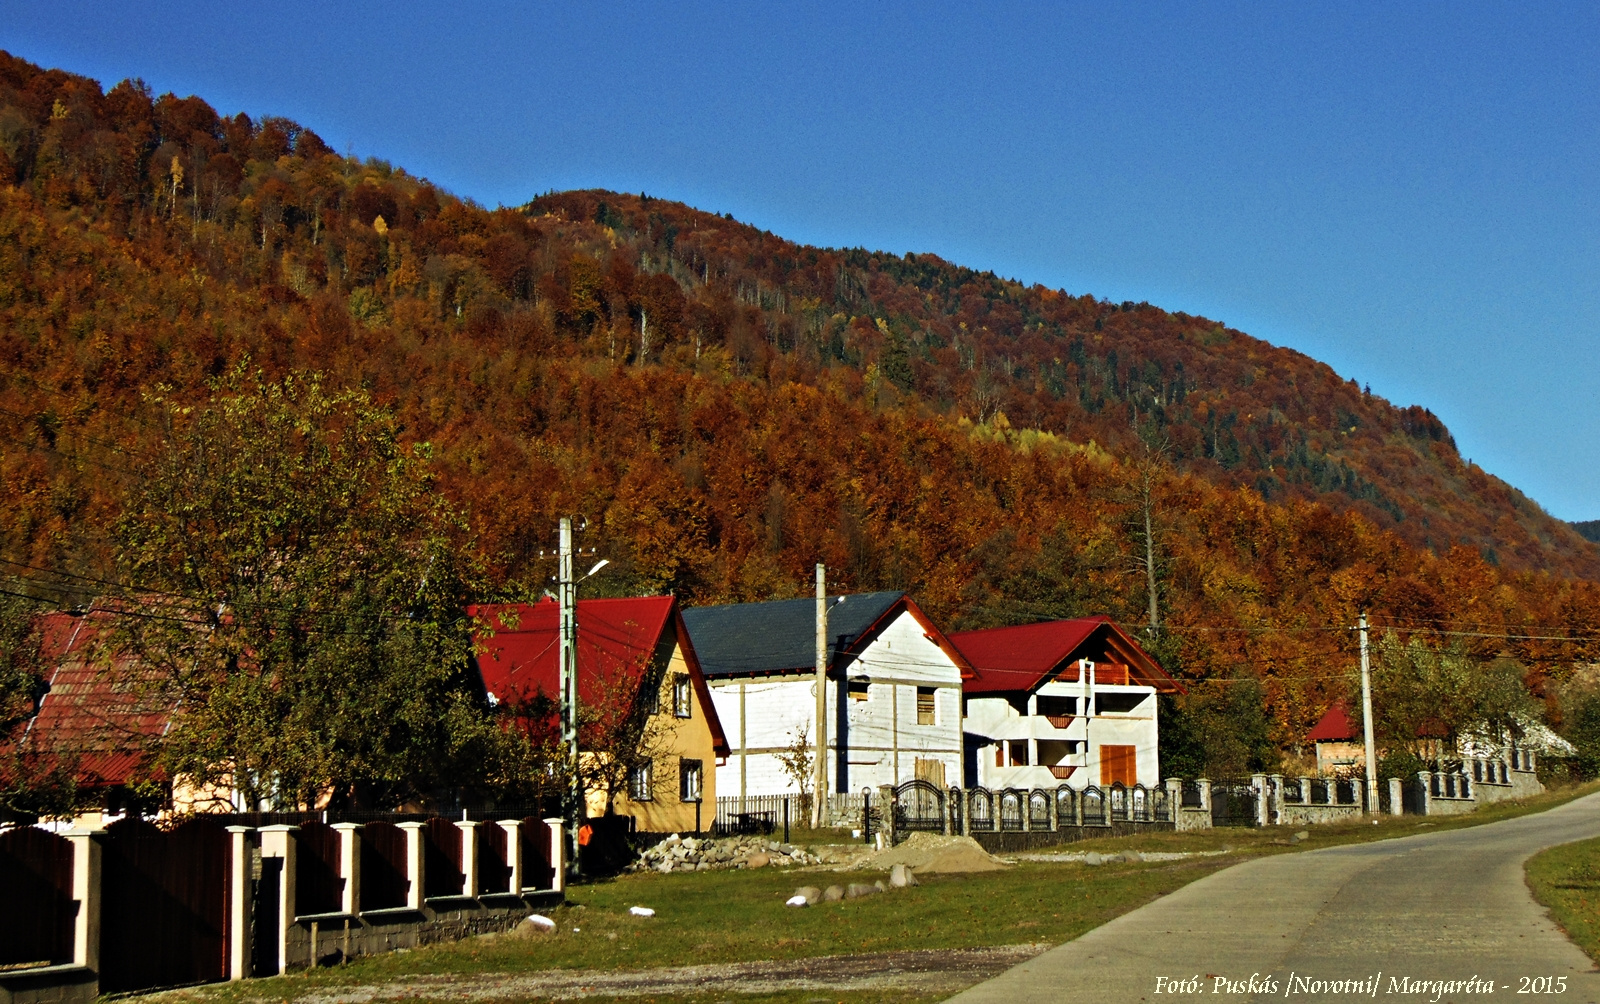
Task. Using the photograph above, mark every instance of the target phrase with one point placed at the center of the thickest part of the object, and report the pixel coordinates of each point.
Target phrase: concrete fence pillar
(1174, 799)
(278, 841)
(350, 867)
(1055, 813)
(1258, 783)
(416, 864)
(966, 812)
(241, 854)
(558, 854)
(1396, 797)
(513, 828)
(469, 856)
(86, 890)
(1425, 792)
(1359, 789)
(1277, 797)
(1204, 786)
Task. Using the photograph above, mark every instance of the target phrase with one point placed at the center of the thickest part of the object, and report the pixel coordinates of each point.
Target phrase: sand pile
(932, 853)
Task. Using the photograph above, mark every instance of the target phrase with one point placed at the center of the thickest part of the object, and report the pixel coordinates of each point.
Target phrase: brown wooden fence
(442, 842)
(164, 905)
(494, 863)
(37, 916)
(536, 870)
(318, 887)
(384, 882)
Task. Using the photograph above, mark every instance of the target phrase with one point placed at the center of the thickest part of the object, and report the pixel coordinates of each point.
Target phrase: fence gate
(36, 888)
(1233, 803)
(919, 805)
(164, 905)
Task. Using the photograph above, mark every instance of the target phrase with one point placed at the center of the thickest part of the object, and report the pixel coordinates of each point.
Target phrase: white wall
(995, 718)
(883, 741)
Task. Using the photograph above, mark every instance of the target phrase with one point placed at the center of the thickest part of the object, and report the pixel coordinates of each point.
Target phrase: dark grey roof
(748, 638)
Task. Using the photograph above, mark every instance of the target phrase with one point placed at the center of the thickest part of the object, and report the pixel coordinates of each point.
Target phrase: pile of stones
(701, 854)
(900, 877)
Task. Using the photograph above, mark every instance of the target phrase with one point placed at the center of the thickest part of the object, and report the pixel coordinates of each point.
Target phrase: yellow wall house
(649, 733)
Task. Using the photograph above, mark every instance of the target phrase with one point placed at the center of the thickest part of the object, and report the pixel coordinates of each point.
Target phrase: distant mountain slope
(727, 408)
(1230, 407)
(1588, 529)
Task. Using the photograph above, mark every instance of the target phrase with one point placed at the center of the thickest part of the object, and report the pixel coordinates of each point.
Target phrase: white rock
(542, 922)
(641, 911)
(796, 901)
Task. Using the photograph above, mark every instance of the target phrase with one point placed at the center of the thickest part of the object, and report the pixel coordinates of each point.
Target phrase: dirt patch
(931, 853)
(931, 972)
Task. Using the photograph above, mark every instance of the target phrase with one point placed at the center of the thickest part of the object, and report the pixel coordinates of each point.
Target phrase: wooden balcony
(1061, 773)
(1059, 721)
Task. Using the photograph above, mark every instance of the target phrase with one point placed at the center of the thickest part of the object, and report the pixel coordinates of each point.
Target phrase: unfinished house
(893, 694)
(1062, 701)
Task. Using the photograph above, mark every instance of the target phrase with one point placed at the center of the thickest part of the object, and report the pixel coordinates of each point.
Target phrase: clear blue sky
(1409, 192)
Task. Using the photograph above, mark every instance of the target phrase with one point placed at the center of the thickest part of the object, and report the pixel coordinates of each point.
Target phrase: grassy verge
(1566, 879)
(738, 916)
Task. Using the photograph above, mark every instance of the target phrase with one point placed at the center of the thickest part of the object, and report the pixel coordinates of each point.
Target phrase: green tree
(1421, 694)
(32, 781)
(307, 590)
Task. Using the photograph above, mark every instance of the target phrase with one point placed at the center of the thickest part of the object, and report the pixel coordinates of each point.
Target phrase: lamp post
(567, 601)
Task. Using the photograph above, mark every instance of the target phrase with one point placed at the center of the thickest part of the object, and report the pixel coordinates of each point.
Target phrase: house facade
(634, 659)
(1070, 701)
(893, 691)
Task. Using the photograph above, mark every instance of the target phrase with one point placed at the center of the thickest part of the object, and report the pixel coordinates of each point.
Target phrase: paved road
(1446, 906)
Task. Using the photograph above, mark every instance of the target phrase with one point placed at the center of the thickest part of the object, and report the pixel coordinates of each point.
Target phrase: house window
(689, 780)
(1019, 752)
(681, 699)
(858, 689)
(641, 782)
(927, 706)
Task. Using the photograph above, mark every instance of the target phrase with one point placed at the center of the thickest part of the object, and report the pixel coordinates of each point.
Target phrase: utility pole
(820, 782)
(566, 598)
(1366, 718)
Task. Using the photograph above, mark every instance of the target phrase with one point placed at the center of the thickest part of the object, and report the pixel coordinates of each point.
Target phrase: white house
(894, 691)
(1071, 700)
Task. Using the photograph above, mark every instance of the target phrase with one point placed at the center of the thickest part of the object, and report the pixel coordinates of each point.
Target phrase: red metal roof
(618, 642)
(1334, 725)
(1024, 657)
(98, 715)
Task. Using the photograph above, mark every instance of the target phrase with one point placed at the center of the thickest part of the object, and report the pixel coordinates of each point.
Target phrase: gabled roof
(780, 636)
(619, 641)
(1334, 725)
(1025, 657)
(96, 715)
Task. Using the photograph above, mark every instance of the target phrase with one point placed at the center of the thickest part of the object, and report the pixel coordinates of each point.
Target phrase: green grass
(738, 916)
(1566, 879)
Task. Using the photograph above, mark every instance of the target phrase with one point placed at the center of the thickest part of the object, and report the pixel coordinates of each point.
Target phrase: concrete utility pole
(567, 600)
(1366, 718)
(820, 782)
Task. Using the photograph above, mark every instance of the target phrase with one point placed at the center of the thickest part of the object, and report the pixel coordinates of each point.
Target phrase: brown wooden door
(1117, 764)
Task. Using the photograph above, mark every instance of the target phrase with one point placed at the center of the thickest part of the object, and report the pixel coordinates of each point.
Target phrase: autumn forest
(725, 408)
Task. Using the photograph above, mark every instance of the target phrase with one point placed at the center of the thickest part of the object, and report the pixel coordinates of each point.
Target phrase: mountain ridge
(728, 408)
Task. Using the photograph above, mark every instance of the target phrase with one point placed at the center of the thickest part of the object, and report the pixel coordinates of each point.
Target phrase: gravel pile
(702, 854)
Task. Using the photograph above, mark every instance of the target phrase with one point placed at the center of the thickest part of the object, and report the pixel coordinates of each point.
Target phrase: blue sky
(1409, 193)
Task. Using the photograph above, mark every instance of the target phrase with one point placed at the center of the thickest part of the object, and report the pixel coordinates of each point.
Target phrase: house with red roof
(1069, 701)
(639, 683)
(95, 719)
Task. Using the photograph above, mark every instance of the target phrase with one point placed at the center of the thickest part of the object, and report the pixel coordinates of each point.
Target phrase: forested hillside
(727, 408)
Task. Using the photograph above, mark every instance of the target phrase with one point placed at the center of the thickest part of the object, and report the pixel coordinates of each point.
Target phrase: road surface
(1412, 919)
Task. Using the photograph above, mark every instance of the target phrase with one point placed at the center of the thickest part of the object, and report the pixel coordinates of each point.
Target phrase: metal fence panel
(36, 918)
